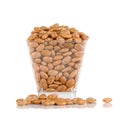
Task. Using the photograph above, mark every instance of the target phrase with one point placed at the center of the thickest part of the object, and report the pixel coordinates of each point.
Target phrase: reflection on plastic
(107, 105)
(91, 105)
(56, 107)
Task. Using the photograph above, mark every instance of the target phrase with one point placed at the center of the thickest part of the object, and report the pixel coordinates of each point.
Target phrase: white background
(100, 75)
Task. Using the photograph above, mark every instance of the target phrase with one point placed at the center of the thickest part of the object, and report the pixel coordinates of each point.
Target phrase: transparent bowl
(56, 63)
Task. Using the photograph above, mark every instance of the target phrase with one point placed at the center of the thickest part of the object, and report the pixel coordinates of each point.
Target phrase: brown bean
(58, 76)
(53, 86)
(70, 83)
(60, 102)
(90, 100)
(20, 102)
(61, 88)
(50, 90)
(31, 97)
(63, 80)
(56, 82)
(107, 100)
(52, 96)
(42, 96)
(53, 34)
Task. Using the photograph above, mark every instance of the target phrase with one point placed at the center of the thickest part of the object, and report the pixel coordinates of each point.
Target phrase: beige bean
(66, 74)
(73, 50)
(50, 80)
(60, 40)
(52, 53)
(78, 40)
(43, 84)
(46, 52)
(43, 63)
(32, 50)
(72, 64)
(49, 47)
(67, 53)
(64, 50)
(35, 55)
(36, 67)
(47, 59)
(78, 46)
(67, 69)
(59, 57)
(56, 48)
(43, 75)
(37, 76)
(79, 54)
(53, 42)
(73, 73)
(37, 61)
(43, 68)
(57, 62)
(59, 67)
(52, 72)
(76, 59)
(33, 44)
(50, 66)
(40, 47)
(66, 60)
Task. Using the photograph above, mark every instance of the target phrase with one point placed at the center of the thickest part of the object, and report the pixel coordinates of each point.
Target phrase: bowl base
(60, 94)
